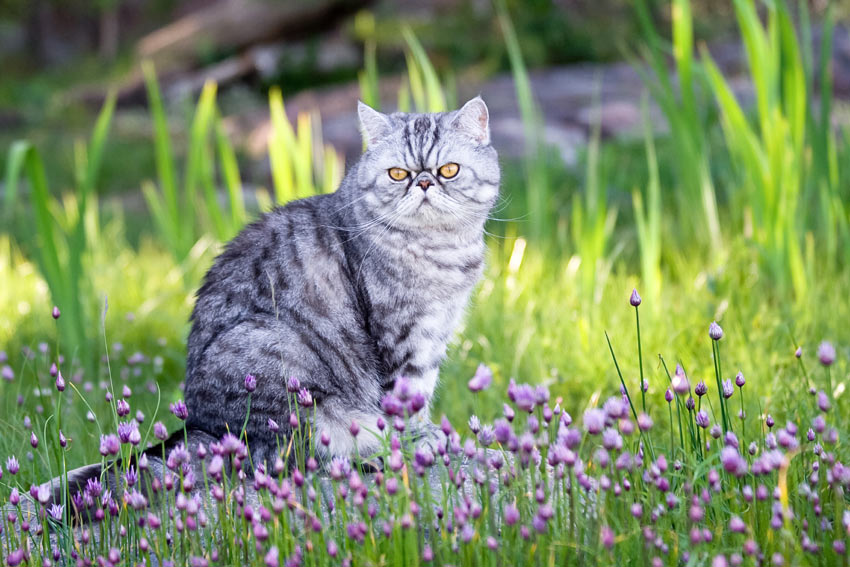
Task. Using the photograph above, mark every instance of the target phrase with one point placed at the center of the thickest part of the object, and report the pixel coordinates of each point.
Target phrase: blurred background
(695, 150)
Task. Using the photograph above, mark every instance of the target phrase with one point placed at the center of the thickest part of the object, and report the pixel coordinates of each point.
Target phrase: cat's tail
(82, 489)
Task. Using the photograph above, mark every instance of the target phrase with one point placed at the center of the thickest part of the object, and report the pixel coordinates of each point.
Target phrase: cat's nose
(424, 183)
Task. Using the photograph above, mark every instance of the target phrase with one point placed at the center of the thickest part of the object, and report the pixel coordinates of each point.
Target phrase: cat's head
(428, 170)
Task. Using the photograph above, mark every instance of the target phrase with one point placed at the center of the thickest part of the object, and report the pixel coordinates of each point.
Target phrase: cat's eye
(398, 173)
(449, 170)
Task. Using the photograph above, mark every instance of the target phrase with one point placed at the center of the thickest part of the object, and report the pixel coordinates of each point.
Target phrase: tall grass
(648, 217)
(66, 230)
(695, 194)
(769, 155)
(179, 214)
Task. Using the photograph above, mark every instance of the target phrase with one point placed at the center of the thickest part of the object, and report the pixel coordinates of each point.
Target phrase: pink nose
(424, 183)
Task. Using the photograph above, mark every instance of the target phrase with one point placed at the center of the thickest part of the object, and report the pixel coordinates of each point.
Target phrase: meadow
(698, 420)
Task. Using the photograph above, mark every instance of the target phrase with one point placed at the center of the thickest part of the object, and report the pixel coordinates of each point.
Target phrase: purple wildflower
(700, 389)
(680, 381)
(524, 397)
(826, 353)
(728, 389)
(33, 440)
(56, 313)
(179, 410)
(60, 382)
(56, 512)
(293, 384)
(305, 398)
(740, 380)
(482, 379)
(714, 331)
(109, 445)
(122, 408)
(594, 421)
(273, 426)
(634, 298)
(159, 431)
(668, 395)
(250, 383)
(823, 402)
(702, 419)
(12, 465)
(7, 373)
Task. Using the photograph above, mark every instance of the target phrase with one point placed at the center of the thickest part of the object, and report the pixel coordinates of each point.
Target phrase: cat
(347, 291)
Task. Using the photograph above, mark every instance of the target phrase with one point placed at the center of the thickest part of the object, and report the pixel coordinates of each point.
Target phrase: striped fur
(350, 290)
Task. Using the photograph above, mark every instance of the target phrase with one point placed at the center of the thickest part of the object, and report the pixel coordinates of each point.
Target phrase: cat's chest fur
(418, 292)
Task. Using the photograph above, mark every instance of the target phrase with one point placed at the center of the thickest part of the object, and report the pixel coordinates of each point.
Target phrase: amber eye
(398, 173)
(449, 170)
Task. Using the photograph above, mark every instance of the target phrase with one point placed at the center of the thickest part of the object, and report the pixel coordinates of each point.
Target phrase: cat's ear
(474, 120)
(373, 124)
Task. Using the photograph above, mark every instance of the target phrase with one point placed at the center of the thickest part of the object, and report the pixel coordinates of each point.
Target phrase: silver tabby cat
(348, 291)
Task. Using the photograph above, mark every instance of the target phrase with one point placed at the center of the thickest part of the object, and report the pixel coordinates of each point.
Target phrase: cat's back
(289, 264)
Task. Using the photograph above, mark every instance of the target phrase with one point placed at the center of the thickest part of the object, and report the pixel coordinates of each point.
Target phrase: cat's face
(429, 170)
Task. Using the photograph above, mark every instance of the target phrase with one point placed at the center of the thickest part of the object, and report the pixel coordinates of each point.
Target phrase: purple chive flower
(474, 424)
(293, 384)
(644, 422)
(122, 408)
(159, 431)
(486, 436)
(511, 514)
(305, 398)
(482, 379)
(702, 419)
(525, 397)
(607, 537)
(668, 395)
(508, 412)
(250, 383)
(56, 512)
(12, 465)
(179, 410)
(714, 331)
(680, 381)
(769, 421)
(594, 421)
(728, 389)
(354, 429)
(56, 313)
(700, 389)
(690, 403)
(33, 440)
(826, 353)
(125, 428)
(732, 461)
(7, 373)
(634, 298)
(60, 382)
(273, 426)
(109, 445)
(16, 557)
(823, 402)
(740, 380)
(737, 525)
